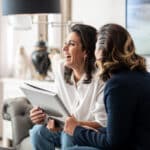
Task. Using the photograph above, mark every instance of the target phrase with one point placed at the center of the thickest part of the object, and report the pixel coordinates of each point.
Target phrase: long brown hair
(88, 37)
(118, 51)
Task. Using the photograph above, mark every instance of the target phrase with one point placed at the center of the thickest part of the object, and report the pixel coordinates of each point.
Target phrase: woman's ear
(85, 55)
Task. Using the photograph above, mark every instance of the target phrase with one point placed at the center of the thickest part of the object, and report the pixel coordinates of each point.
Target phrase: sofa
(17, 110)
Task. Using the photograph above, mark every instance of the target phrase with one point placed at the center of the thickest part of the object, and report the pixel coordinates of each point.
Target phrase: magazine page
(35, 89)
(42, 85)
(47, 100)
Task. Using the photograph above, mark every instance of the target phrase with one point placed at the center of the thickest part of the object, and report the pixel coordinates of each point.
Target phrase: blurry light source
(14, 7)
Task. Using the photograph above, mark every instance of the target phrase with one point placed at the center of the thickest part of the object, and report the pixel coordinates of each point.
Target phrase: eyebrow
(73, 41)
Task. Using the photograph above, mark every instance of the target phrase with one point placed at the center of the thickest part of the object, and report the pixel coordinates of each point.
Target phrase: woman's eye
(70, 44)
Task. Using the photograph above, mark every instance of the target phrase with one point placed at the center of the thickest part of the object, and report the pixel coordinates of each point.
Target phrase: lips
(67, 56)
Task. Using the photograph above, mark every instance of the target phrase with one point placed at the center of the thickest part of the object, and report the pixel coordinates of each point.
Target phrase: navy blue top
(127, 102)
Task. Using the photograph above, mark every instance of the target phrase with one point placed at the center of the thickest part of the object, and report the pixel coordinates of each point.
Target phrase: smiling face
(73, 52)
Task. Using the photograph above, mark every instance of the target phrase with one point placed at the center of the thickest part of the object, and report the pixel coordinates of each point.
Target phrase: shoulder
(115, 80)
(128, 80)
(121, 80)
(128, 77)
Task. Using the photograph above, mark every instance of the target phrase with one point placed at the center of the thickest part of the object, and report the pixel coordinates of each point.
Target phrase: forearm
(92, 124)
(87, 137)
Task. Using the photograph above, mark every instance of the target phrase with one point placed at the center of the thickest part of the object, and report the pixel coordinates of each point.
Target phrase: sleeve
(58, 66)
(99, 111)
(120, 103)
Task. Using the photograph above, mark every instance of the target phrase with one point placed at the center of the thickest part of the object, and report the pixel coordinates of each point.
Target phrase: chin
(68, 64)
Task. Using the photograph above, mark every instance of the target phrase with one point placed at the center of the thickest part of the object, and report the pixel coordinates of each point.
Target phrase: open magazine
(45, 97)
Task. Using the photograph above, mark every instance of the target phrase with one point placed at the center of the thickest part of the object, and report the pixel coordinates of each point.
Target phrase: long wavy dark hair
(88, 37)
(118, 51)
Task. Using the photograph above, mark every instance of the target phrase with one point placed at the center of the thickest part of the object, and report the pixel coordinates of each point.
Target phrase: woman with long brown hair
(78, 89)
(126, 96)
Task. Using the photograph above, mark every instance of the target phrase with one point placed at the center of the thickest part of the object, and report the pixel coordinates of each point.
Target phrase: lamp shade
(12, 7)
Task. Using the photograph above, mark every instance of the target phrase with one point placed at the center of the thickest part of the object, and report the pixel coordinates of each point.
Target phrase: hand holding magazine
(46, 98)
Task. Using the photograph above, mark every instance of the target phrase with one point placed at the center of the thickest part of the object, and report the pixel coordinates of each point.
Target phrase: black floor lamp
(16, 8)
(13, 7)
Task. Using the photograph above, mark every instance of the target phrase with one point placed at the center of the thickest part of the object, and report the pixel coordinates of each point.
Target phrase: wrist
(79, 123)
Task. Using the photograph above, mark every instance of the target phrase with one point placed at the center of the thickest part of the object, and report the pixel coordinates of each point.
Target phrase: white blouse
(84, 101)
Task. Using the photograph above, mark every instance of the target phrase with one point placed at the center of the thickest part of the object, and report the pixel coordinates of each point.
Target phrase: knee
(36, 133)
(66, 141)
(65, 136)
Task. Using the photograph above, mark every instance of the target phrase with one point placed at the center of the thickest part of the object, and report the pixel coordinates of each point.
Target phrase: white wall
(99, 12)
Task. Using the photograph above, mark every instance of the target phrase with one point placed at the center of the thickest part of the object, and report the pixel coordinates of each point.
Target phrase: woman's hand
(70, 125)
(37, 115)
(72, 122)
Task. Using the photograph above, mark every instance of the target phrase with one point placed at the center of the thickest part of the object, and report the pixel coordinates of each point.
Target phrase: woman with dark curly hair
(126, 96)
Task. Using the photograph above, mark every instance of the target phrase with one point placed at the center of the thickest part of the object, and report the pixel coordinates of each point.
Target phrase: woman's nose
(65, 47)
